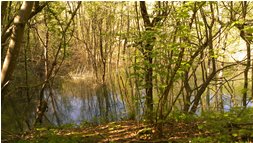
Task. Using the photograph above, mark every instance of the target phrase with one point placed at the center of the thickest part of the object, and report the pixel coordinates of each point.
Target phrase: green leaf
(244, 90)
(234, 134)
(200, 127)
(41, 129)
(249, 29)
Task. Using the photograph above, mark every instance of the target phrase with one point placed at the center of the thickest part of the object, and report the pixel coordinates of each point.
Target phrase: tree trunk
(148, 58)
(149, 82)
(15, 42)
(208, 88)
(252, 79)
(188, 92)
(3, 10)
(245, 86)
(244, 35)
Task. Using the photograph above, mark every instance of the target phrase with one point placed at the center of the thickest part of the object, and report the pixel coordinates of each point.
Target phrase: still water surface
(76, 102)
(77, 106)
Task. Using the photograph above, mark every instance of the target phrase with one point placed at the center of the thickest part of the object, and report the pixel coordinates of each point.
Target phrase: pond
(75, 102)
(78, 103)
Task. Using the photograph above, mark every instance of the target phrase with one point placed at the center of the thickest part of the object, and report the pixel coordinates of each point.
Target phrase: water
(99, 105)
(75, 102)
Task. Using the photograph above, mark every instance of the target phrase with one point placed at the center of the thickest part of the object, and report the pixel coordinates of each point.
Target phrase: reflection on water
(77, 103)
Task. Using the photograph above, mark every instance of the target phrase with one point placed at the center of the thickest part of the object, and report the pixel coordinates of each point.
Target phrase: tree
(246, 35)
(50, 73)
(15, 42)
(147, 49)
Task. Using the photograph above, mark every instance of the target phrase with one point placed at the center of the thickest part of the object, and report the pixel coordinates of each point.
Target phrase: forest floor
(132, 131)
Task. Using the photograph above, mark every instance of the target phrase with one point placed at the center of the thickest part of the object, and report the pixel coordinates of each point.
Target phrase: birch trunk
(15, 42)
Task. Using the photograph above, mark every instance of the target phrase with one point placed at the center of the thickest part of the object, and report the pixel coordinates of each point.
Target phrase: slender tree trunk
(102, 52)
(149, 83)
(244, 35)
(220, 88)
(46, 55)
(246, 82)
(252, 79)
(15, 42)
(26, 66)
(147, 51)
(188, 91)
(224, 45)
(208, 88)
(148, 58)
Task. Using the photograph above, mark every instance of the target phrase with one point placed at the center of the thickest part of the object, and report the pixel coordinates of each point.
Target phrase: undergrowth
(233, 126)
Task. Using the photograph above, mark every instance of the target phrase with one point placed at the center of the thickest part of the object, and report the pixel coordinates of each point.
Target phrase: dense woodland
(182, 69)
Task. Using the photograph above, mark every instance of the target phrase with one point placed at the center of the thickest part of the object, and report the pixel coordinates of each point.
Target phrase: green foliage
(249, 29)
(241, 115)
(182, 11)
(161, 42)
(52, 138)
(85, 123)
(220, 138)
(54, 18)
(202, 140)
(216, 126)
(179, 116)
(227, 126)
(244, 90)
(58, 135)
(70, 125)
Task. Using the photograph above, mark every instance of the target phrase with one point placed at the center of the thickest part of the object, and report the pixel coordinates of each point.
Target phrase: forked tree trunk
(15, 42)
(148, 48)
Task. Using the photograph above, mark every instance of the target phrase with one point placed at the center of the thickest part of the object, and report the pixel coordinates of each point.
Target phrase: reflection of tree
(17, 114)
(87, 107)
(78, 101)
(102, 97)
